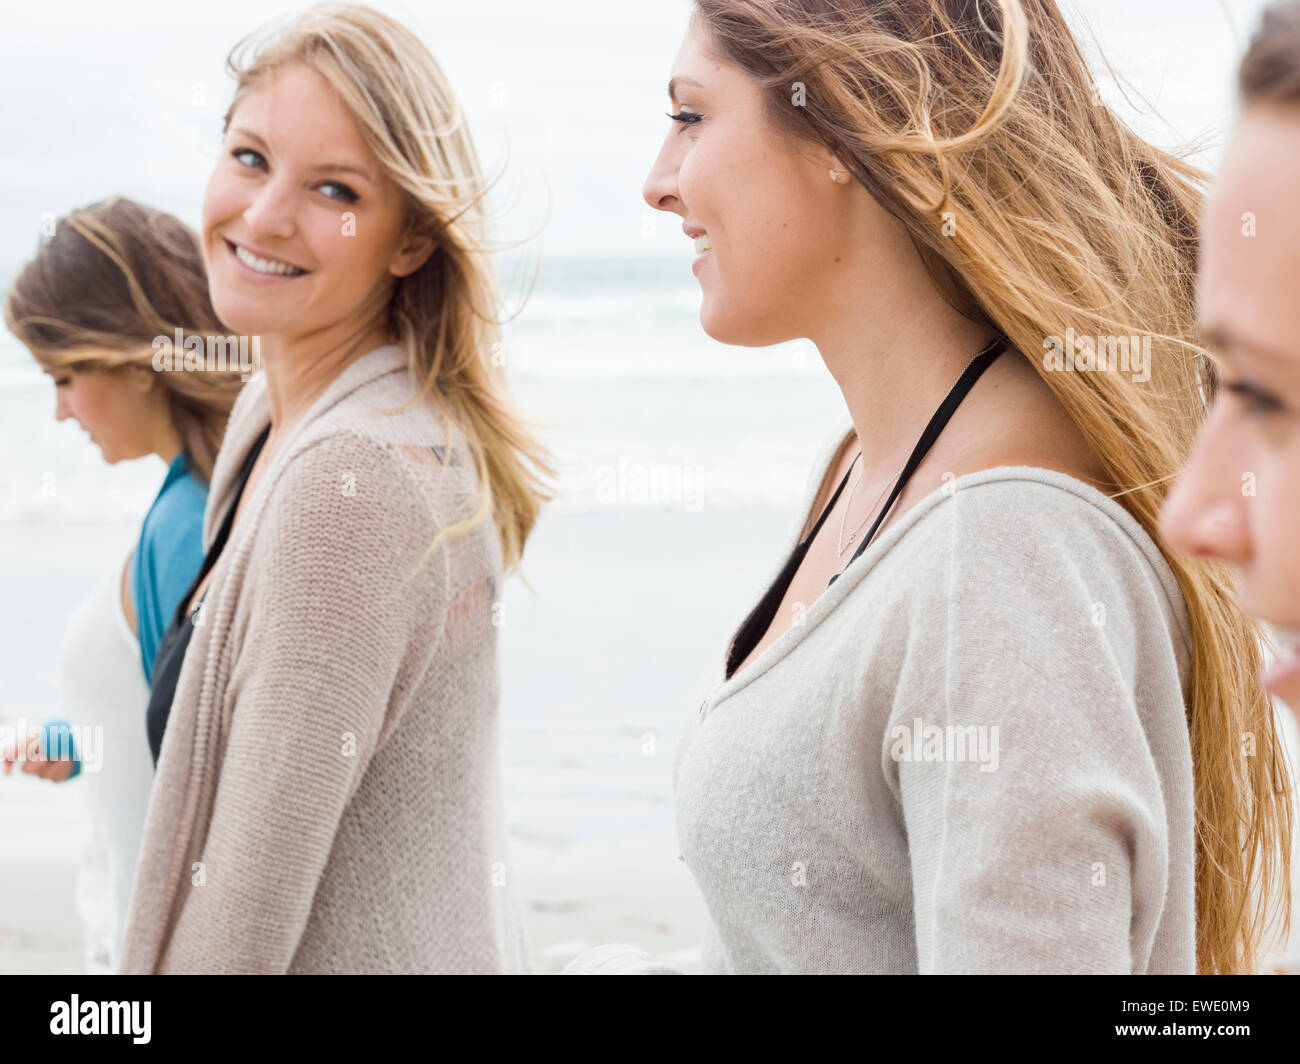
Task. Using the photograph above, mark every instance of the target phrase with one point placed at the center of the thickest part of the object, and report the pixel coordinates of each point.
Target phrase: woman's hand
(56, 771)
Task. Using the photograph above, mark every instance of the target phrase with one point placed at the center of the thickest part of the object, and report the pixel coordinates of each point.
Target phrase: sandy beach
(622, 638)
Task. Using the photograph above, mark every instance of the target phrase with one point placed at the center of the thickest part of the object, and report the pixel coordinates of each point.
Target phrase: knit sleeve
(1018, 741)
(335, 639)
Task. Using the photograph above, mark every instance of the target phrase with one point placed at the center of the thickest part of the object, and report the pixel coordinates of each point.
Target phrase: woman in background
(114, 277)
(929, 191)
(1238, 500)
(328, 795)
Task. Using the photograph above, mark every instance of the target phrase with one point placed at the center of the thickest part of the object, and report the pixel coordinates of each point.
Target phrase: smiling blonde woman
(324, 709)
(983, 719)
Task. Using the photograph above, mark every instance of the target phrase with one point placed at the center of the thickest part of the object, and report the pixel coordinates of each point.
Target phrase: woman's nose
(1217, 530)
(271, 211)
(660, 190)
(1205, 515)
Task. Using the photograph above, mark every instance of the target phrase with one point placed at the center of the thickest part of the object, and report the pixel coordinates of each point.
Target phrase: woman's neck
(167, 441)
(299, 369)
(895, 370)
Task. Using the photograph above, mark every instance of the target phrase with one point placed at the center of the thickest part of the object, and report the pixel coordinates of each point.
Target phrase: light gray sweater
(970, 756)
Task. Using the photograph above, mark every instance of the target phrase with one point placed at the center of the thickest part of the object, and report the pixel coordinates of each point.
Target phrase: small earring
(835, 175)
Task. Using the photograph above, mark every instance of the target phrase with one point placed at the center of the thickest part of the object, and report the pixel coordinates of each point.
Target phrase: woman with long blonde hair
(325, 718)
(983, 719)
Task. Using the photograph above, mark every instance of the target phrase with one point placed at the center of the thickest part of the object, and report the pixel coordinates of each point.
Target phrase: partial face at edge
(1238, 500)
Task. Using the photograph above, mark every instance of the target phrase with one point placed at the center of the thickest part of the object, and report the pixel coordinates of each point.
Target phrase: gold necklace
(844, 516)
(843, 546)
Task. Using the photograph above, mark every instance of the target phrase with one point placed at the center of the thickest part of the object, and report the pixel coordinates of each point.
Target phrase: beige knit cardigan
(327, 796)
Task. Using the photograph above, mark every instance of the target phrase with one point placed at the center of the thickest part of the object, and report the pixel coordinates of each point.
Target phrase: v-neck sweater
(328, 794)
(971, 753)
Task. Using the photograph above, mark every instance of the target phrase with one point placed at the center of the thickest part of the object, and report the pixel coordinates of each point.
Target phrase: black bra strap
(210, 559)
(965, 383)
(829, 507)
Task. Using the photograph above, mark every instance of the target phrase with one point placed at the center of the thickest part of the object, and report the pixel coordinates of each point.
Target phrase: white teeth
(703, 244)
(266, 266)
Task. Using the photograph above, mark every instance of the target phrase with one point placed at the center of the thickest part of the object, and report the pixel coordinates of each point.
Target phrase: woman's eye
(686, 118)
(344, 193)
(60, 382)
(1258, 403)
(245, 154)
(334, 189)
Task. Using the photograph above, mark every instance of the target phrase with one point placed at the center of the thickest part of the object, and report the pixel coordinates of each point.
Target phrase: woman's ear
(826, 160)
(413, 253)
(141, 377)
(836, 170)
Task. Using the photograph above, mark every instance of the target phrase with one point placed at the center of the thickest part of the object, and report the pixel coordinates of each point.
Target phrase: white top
(971, 755)
(103, 685)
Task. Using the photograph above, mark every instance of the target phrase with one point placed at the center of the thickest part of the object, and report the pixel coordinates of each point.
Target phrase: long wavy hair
(443, 314)
(111, 279)
(977, 125)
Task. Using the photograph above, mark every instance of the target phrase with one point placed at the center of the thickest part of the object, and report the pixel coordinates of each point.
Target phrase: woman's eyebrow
(1221, 340)
(1229, 348)
(346, 168)
(680, 80)
(244, 131)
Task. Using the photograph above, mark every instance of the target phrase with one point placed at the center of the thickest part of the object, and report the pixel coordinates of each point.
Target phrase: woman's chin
(739, 329)
(720, 327)
(243, 320)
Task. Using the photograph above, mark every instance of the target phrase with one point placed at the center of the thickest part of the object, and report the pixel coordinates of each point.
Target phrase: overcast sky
(126, 97)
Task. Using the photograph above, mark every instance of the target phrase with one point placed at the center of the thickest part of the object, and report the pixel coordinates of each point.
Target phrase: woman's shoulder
(1023, 527)
(358, 515)
(386, 422)
(175, 520)
(359, 481)
(1046, 503)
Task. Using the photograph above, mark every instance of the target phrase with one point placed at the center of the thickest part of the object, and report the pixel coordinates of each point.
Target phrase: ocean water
(640, 407)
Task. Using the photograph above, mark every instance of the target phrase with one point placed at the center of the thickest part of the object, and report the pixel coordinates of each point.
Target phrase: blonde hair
(113, 278)
(976, 124)
(443, 313)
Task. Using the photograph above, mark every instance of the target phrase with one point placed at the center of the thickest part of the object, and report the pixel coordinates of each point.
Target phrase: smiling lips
(702, 242)
(259, 264)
